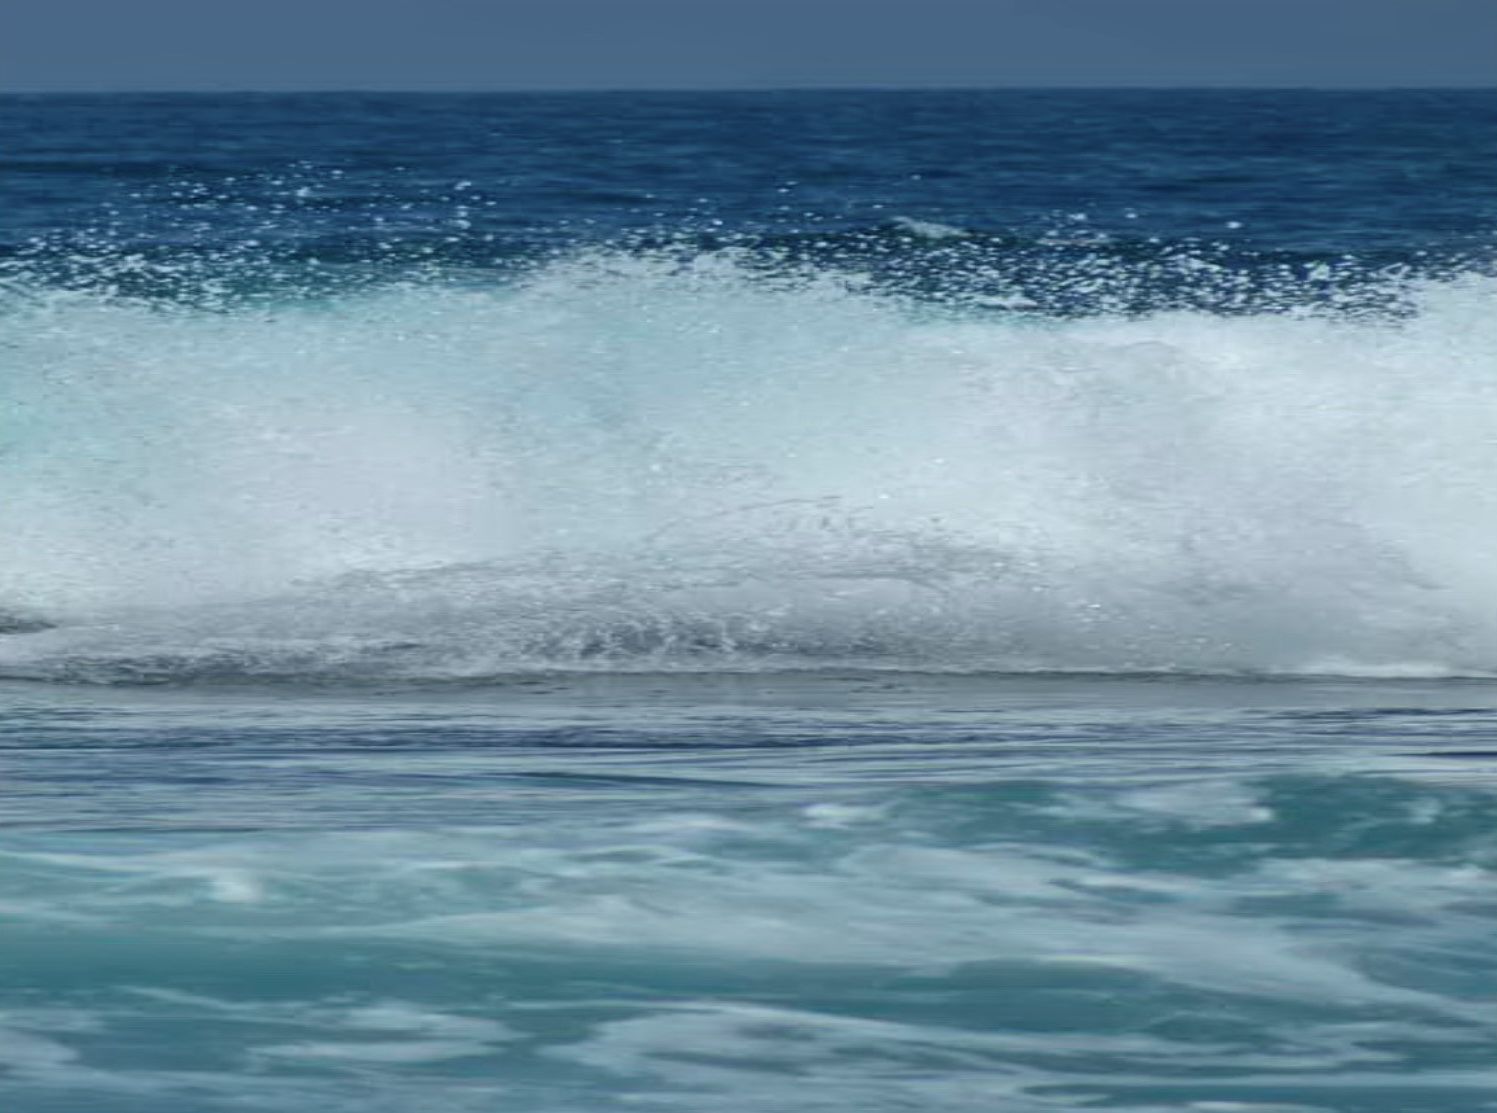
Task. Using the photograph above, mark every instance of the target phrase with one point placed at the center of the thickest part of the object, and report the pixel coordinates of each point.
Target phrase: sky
(147, 45)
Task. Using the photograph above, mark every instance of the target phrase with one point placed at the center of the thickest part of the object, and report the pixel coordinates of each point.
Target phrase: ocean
(848, 601)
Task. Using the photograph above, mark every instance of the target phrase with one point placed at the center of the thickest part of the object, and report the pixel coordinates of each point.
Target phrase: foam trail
(639, 462)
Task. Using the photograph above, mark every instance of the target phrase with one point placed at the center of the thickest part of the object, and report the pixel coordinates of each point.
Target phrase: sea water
(789, 601)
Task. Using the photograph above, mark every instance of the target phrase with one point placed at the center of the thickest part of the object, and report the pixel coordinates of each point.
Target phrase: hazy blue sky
(497, 44)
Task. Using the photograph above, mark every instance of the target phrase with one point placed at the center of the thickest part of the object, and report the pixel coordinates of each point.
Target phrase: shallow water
(847, 891)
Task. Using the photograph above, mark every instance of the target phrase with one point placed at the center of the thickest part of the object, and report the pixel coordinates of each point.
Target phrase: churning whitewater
(643, 461)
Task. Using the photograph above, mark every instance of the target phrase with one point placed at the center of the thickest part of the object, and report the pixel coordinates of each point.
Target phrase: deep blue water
(973, 601)
(1047, 185)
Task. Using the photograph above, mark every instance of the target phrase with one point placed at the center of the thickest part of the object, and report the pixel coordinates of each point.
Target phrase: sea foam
(649, 461)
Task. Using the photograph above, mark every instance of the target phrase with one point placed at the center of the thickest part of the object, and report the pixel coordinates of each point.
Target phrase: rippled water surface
(841, 892)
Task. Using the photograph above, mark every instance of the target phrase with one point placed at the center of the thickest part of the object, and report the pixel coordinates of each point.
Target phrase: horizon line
(837, 88)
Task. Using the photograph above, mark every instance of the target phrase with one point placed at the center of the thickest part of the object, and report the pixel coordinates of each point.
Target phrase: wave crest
(649, 462)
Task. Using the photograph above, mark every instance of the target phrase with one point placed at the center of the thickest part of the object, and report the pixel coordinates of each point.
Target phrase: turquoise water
(748, 602)
(725, 892)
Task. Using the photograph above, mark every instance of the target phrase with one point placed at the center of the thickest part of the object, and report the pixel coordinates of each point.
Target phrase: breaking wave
(656, 461)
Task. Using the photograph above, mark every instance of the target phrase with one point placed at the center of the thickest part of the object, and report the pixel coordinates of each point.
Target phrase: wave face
(663, 461)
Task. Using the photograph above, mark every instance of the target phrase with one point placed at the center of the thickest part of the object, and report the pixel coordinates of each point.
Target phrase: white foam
(836, 955)
(25, 1052)
(632, 462)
